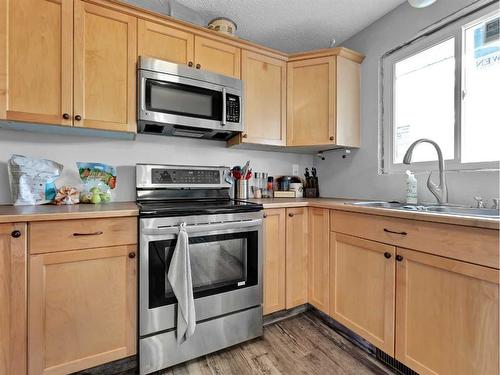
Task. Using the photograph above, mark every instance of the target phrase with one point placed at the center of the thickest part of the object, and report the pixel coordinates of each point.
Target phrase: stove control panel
(164, 176)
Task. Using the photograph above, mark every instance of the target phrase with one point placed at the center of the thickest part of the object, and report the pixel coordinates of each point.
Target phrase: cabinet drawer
(474, 245)
(53, 236)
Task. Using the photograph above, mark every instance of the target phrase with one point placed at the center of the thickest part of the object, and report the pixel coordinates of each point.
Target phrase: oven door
(226, 267)
(176, 100)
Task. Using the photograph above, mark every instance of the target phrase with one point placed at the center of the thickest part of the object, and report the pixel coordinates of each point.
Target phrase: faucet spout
(440, 191)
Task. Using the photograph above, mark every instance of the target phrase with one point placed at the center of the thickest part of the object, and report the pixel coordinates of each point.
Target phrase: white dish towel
(179, 276)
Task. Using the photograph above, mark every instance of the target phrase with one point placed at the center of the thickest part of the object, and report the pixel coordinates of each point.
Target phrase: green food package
(98, 180)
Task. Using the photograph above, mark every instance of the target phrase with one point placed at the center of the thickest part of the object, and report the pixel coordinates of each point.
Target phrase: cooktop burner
(186, 208)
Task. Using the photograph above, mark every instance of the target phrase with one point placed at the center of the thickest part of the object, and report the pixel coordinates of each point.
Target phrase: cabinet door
(217, 57)
(311, 102)
(82, 308)
(265, 99)
(274, 260)
(319, 255)
(297, 257)
(164, 43)
(13, 296)
(362, 283)
(36, 61)
(105, 68)
(447, 315)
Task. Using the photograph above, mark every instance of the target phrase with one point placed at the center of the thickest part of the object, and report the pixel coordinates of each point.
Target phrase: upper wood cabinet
(319, 255)
(105, 68)
(311, 102)
(447, 315)
(297, 256)
(36, 61)
(68, 63)
(274, 260)
(13, 299)
(264, 80)
(362, 288)
(164, 42)
(323, 102)
(82, 308)
(217, 57)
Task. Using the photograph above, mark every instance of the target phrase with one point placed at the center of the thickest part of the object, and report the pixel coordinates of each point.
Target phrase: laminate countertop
(13, 214)
(343, 205)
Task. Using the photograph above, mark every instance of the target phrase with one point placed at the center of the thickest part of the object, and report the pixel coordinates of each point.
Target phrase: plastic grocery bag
(98, 181)
(32, 180)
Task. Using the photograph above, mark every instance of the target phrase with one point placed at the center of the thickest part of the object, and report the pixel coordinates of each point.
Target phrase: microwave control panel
(232, 108)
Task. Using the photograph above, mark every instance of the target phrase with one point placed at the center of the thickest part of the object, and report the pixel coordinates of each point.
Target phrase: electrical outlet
(295, 169)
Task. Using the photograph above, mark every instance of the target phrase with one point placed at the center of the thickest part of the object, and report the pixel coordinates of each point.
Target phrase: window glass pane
(481, 104)
(424, 102)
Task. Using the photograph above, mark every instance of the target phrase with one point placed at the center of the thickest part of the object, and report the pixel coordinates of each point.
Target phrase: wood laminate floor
(303, 344)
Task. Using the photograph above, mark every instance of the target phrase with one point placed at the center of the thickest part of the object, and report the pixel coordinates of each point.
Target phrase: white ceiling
(295, 25)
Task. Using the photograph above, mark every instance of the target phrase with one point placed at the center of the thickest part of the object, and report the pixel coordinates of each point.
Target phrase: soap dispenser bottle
(411, 188)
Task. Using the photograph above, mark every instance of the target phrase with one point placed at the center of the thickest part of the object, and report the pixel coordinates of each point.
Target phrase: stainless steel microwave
(177, 100)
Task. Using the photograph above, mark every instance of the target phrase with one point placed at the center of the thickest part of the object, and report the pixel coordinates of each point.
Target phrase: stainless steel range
(225, 249)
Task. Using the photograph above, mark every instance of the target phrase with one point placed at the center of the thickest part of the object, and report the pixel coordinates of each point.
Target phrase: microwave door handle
(223, 122)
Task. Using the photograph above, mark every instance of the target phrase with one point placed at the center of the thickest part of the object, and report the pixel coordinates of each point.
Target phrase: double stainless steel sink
(440, 209)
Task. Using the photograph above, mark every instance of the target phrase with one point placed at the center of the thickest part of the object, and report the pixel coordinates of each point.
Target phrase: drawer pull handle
(16, 233)
(88, 234)
(399, 258)
(387, 255)
(131, 255)
(393, 232)
(291, 214)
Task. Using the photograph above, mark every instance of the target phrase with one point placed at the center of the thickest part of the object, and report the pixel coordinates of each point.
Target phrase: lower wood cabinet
(319, 255)
(13, 295)
(286, 245)
(447, 315)
(82, 308)
(297, 256)
(274, 260)
(362, 288)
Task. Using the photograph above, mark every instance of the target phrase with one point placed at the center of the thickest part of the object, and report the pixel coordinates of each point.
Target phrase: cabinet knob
(131, 255)
(190, 64)
(198, 66)
(387, 255)
(332, 138)
(66, 116)
(245, 135)
(264, 216)
(399, 258)
(78, 117)
(291, 214)
(16, 233)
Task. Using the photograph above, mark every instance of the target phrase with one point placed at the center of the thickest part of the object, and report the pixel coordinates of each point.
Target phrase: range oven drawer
(161, 351)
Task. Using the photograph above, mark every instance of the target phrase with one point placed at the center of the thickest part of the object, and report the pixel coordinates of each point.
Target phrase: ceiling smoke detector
(421, 3)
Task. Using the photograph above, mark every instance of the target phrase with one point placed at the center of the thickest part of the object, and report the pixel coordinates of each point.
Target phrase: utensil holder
(241, 189)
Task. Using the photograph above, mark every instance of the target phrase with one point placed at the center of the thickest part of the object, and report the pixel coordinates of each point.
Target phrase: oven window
(183, 100)
(219, 263)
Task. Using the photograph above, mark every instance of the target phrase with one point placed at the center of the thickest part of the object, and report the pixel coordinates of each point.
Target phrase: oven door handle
(192, 228)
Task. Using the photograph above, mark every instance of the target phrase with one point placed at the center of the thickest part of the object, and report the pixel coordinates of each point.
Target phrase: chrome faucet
(439, 191)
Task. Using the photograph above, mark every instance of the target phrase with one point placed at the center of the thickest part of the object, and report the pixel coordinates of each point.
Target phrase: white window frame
(387, 79)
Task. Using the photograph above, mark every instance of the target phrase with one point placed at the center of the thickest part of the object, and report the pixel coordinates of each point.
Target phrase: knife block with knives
(311, 188)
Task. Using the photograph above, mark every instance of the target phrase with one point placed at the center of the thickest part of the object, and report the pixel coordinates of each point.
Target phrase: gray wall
(125, 154)
(357, 176)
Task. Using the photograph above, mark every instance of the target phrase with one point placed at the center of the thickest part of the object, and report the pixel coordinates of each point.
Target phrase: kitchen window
(444, 86)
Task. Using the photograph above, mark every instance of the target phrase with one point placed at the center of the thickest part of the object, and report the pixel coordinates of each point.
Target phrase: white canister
(298, 189)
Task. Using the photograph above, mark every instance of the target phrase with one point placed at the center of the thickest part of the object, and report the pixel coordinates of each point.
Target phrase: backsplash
(125, 154)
